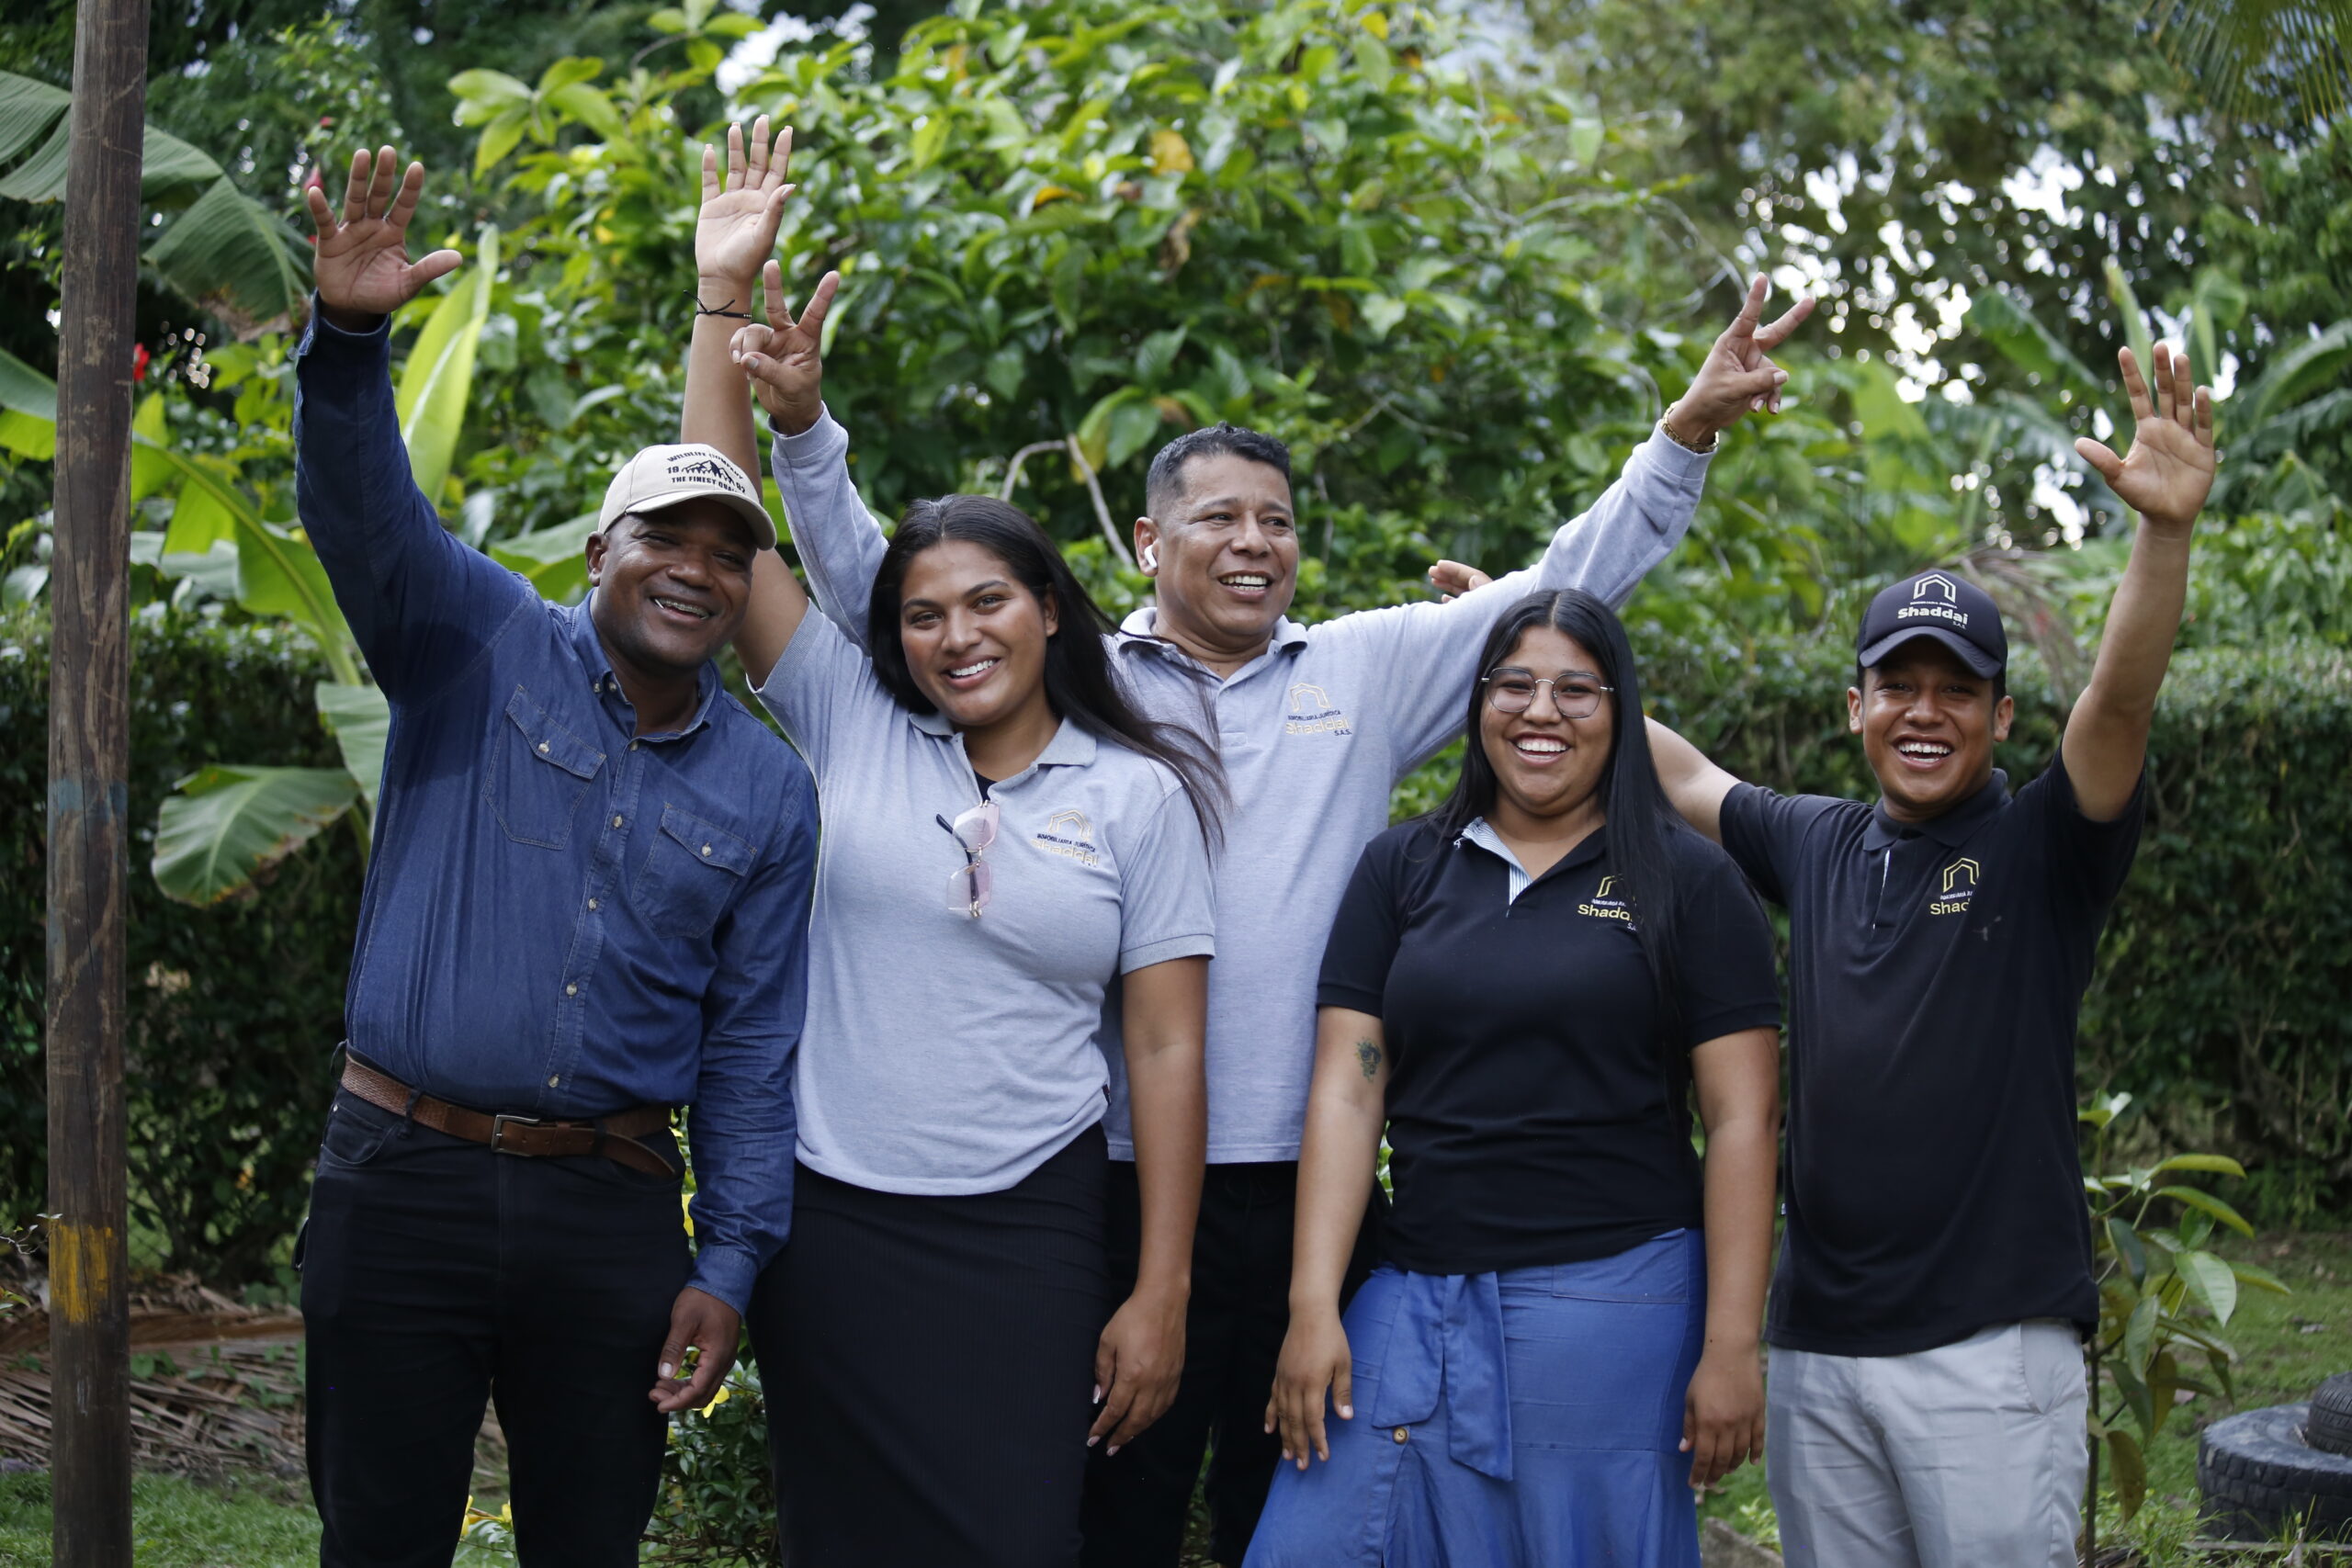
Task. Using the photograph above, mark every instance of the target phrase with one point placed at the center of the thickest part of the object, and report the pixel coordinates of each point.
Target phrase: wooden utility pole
(89, 766)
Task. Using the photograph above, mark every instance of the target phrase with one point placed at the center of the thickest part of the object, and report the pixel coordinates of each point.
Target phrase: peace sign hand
(362, 269)
(1738, 374)
(742, 210)
(783, 359)
(2166, 474)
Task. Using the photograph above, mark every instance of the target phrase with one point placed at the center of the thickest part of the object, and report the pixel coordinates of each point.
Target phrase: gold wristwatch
(1665, 422)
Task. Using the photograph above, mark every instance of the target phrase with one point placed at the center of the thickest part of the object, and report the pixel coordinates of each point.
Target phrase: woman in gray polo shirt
(1013, 875)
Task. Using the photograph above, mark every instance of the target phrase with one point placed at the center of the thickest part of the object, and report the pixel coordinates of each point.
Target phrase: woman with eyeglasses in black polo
(1526, 991)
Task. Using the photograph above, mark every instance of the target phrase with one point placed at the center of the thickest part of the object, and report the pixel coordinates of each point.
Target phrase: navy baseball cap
(1940, 605)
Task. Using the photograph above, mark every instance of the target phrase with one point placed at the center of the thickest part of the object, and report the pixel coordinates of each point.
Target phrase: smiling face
(670, 585)
(1546, 764)
(1224, 556)
(972, 634)
(1928, 725)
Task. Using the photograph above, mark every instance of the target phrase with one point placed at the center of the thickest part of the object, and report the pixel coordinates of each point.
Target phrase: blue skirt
(1527, 1419)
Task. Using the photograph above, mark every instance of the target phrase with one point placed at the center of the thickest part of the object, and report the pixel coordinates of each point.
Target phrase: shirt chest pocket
(691, 870)
(539, 772)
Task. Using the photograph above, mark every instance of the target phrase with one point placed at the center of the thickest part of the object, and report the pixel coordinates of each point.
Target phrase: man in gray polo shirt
(1316, 725)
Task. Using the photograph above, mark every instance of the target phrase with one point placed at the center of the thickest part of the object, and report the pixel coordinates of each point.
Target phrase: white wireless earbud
(1151, 558)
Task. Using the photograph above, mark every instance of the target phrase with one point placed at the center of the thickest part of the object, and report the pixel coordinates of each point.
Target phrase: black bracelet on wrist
(725, 310)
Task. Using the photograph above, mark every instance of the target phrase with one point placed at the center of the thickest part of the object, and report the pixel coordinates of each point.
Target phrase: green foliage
(717, 1504)
(224, 249)
(2253, 580)
(233, 1008)
(1116, 223)
(228, 825)
(176, 1523)
(2161, 1296)
(1908, 159)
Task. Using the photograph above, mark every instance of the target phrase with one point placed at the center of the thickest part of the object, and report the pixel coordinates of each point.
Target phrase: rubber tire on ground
(2255, 1473)
(2329, 1428)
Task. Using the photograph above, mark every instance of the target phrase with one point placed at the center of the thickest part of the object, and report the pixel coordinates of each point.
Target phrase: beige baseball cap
(665, 476)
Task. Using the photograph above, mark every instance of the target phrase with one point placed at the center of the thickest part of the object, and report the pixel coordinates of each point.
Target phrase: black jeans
(1137, 1501)
(437, 1275)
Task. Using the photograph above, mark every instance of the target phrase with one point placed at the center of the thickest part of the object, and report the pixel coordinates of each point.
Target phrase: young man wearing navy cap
(1927, 1388)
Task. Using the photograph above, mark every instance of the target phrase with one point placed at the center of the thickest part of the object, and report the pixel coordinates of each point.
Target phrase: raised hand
(362, 269)
(741, 208)
(1453, 579)
(783, 359)
(2166, 474)
(1738, 374)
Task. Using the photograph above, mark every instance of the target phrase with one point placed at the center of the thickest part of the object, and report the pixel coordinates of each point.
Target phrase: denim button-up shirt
(563, 916)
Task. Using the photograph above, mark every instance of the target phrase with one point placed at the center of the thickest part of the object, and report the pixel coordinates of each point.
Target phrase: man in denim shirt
(588, 904)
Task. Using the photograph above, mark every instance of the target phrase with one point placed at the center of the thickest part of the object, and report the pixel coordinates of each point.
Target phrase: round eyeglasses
(1574, 696)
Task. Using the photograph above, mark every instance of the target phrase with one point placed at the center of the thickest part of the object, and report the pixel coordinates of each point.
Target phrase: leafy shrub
(233, 1009)
(717, 1503)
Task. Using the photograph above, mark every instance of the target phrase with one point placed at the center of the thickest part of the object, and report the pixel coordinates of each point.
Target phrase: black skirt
(929, 1368)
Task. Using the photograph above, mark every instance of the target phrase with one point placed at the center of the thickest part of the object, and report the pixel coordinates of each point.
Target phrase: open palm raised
(2164, 476)
(735, 231)
(362, 269)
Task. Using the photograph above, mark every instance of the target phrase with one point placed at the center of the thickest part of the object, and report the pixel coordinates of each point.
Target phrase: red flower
(138, 362)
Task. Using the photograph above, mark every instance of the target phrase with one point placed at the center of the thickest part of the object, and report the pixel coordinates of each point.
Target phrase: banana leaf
(553, 558)
(435, 383)
(228, 825)
(166, 163)
(235, 258)
(362, 722)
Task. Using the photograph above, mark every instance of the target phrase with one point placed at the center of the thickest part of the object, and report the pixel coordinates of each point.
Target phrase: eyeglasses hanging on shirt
(1512, 690)
(974, 831)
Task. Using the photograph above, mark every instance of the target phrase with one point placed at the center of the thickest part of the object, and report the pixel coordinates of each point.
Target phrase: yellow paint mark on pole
(81, 1259)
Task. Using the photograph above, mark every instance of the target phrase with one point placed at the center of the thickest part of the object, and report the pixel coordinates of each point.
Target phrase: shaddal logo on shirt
(1311, 713)
(1067, 832)
(1934, 597)
(1604, 906)
(1959, 887)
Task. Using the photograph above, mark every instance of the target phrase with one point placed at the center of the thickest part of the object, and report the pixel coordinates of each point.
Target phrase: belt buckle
(498, 1124)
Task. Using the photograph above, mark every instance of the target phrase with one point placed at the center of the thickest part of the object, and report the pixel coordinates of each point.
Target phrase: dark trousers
(1138, 1500)
(437, 1275)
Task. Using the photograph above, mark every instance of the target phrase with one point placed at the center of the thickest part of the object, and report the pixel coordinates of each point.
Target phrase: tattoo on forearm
(1369, 1054)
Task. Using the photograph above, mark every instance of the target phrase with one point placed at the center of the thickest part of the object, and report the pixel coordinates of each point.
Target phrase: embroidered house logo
(1605, 906)
(1067, 832)
(1311, 713)
(1934, 597)
(1959, 887)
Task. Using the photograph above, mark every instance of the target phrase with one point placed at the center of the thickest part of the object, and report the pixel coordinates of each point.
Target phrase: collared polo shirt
(1935, 972)
(1314, 733)
(1533, 1117)
(949, 1053)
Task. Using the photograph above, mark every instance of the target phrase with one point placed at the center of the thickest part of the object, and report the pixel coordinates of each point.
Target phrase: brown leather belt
(613, 1137)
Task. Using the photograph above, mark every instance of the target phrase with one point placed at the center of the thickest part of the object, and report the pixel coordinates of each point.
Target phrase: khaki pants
(1970, 1455)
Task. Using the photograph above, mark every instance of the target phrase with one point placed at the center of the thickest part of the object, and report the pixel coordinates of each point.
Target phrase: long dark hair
(1638, 825)
(1079, 683)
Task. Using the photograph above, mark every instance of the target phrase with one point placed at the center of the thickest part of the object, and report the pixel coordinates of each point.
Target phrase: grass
(234, 1522)
(2286, 1345)
(178, 1523)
